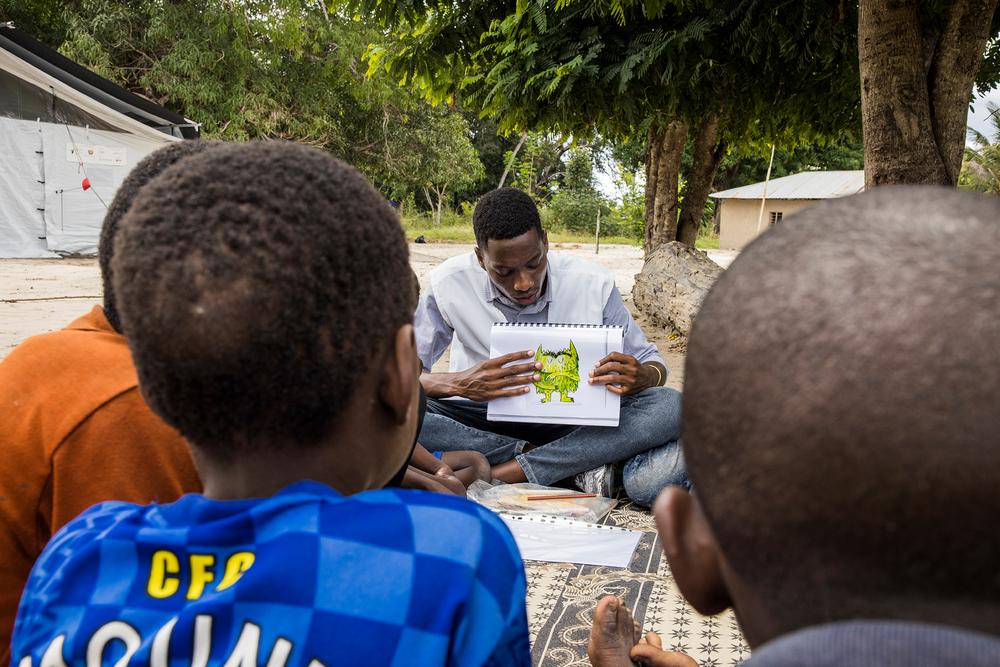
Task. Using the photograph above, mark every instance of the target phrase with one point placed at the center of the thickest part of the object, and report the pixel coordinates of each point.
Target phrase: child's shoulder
(426, 508)
(425, 523)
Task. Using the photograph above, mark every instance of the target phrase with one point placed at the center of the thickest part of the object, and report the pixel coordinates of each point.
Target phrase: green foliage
(491, 148)
(981, 167)
(432, 154)
(740, 169)
(538, 167)
(577, 204)
(628, 218)
(576, 210)
(612, 66)
(579, 171)
(273, 69)
(784, 71)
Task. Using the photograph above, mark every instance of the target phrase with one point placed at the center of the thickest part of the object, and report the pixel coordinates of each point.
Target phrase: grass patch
(707, 243)
(455, 229)
(463, 234)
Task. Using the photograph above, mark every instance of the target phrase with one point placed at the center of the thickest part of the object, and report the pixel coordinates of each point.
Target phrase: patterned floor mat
(562, 596)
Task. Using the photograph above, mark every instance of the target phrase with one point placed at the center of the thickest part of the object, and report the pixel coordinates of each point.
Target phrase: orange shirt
(74, 431)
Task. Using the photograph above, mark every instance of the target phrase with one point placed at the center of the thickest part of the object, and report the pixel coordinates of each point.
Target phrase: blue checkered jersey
(306, 577)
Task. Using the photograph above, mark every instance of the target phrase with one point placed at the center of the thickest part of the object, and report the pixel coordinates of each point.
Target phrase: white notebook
(568, 352)
(561, 540)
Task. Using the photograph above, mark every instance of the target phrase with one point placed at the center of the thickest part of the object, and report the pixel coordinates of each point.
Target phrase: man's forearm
(439, 385)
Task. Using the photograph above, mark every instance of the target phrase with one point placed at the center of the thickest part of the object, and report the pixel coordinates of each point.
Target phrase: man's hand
(623, 374)
(486, 380)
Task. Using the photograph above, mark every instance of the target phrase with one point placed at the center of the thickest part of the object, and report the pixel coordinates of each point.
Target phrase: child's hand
(422, 481)
(446, 476)
(649, 653)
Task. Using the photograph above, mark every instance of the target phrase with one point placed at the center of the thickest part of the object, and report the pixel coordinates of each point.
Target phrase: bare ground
(39, 295)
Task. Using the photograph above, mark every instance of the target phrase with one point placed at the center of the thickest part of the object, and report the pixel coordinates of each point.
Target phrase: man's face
(517, 266)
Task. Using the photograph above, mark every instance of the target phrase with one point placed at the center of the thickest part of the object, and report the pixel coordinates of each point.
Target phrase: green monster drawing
(560, 373)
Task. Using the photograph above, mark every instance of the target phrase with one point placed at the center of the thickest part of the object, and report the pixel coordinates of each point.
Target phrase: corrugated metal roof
(804, 185)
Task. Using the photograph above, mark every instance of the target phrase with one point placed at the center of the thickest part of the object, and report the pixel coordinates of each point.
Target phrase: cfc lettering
(161, 585)
(167, 573)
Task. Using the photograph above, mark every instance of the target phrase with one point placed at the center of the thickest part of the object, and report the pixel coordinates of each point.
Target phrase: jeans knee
(647, 474)
(655, 415)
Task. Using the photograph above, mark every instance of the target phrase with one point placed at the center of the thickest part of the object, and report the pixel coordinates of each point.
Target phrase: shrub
(576, 210)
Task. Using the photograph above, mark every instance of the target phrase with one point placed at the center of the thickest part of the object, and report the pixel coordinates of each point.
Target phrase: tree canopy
(717, 74)
(275, 69)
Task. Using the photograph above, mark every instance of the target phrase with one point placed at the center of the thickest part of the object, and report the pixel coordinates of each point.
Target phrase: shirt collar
(493, 294)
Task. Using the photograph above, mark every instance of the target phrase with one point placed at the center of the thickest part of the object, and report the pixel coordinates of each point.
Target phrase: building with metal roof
(741, 218)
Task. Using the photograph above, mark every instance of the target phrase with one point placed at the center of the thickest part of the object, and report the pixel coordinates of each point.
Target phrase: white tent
(60, 124)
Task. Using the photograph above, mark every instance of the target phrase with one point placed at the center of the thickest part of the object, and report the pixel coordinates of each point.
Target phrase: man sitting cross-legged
(842, 426)
(512, 277)
(272, 327)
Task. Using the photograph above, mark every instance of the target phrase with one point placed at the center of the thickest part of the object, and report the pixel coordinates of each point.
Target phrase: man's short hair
(258, 284)
(149, 167)
(504, 214)
(842, 406)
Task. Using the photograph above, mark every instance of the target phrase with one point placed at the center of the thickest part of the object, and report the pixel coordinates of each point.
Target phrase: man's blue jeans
(646, 439)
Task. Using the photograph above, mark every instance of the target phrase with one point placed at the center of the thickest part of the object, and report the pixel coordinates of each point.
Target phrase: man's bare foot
(612, 635)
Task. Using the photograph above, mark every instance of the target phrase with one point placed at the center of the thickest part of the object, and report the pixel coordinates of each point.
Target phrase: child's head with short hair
(147, 169)
(842, 420)
(268, 298)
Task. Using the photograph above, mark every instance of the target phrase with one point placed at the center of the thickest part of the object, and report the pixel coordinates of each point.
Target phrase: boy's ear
(400, 375)
(479, 256)
(691, 549)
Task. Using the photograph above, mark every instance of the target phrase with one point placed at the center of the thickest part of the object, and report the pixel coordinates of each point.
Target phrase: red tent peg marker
(86, 184)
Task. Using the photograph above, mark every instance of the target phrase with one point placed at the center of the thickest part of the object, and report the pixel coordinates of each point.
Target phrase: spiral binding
(557, 326)
(561, 520)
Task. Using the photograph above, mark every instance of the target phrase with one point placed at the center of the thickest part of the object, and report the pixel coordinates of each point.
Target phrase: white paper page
(583, 403)
(557, 540)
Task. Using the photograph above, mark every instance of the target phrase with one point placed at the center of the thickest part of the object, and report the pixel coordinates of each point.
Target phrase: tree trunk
(440, 206)
(510, 163)
(957, 58)
(663, 166)
(707, 153)
(916, 87)
(430, 204)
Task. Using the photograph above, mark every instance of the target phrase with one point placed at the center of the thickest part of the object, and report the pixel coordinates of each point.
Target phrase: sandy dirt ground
(39, 295)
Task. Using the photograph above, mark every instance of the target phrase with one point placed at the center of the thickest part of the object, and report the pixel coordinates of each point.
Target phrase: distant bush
(629, 217)
(576, 210)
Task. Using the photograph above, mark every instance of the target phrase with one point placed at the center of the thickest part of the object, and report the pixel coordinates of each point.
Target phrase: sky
(979, 116)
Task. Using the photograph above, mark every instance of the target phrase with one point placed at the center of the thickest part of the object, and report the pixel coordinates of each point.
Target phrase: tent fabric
(46, 212)
(22, 193)
(26, 101)
(11, 64)
(52, 136)
(73, 216)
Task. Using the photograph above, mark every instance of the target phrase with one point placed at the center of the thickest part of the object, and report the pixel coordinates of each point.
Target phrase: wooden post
(597, 235)
(760, 216)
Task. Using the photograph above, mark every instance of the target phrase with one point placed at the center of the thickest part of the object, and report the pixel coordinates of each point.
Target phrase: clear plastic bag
(513, 499)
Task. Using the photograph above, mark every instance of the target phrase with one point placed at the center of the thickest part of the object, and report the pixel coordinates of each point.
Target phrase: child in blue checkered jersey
(267, 294)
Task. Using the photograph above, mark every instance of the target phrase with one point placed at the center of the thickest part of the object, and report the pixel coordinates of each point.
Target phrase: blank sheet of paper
(559, 540)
